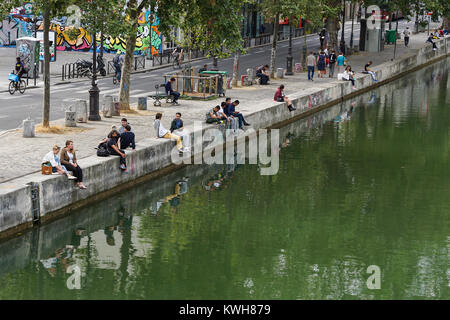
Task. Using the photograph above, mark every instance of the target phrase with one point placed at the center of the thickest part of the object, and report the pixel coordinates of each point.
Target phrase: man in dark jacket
(127, 139)
(177, 127)
(170, 91)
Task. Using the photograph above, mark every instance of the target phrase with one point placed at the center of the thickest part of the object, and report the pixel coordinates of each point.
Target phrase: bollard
(251, 75)
(142, 103)
(28, 128)
(108, 106)
(280, 73)
(70, 119)
(81, 110)
(116, 109)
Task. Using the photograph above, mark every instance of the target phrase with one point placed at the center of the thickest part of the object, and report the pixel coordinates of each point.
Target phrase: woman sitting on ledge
(280, 97)
(52, 159)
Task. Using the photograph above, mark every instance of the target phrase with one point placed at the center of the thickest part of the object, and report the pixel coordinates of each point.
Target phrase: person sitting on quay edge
(262, 73)
(170, 91)
(369, 71)
(52, 159)
(69, 160)
(430, 40)
(177, 127)
(114, 150)
(348, 75)
(162, 132)
(126, 139)
(213, 116)
(124, 124)
(230, 111)
(280, 97)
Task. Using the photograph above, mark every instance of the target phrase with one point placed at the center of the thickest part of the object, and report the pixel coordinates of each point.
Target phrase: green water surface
(364, 183)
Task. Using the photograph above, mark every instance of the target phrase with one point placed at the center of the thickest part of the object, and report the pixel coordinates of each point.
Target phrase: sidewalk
(26, 153)
(8, 54)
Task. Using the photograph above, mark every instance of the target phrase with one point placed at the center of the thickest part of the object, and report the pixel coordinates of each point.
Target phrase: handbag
(102, 151)
(46, 169)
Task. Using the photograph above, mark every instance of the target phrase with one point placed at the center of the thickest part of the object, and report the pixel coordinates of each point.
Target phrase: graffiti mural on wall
(20, 24)
(148, 37)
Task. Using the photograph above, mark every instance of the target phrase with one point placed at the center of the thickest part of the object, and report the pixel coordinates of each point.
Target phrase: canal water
(359, 209)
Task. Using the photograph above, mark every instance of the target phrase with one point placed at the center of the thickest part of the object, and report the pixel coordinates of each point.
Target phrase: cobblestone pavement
(21, 156)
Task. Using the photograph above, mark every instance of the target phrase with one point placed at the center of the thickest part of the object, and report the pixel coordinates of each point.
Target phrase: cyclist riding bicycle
(20, 69)
(178, 54)
(118, 62)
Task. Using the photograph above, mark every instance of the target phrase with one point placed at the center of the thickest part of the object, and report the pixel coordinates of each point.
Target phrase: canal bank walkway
(22, 156)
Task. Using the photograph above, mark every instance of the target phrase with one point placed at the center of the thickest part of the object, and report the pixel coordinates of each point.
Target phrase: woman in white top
(52, 159)
(349, 76)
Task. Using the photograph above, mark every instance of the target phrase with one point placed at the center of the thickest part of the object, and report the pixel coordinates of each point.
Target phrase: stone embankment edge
(58, 197)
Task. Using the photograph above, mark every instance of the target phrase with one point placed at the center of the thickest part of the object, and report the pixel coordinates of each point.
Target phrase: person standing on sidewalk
(321, 64)
(406, 34)
(340, 60)
(311, 63)
(69, 160)
(332, 62)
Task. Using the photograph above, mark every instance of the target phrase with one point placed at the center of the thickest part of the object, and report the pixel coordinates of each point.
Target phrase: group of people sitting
(226, 112)
(176, 132)
(436, 35)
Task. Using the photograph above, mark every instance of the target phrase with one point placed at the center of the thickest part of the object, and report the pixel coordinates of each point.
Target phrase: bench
(158, 96)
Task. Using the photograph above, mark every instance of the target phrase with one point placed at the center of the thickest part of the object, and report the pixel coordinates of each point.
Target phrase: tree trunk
(273, 53)
(46, 102)
(445, 23)
(332, 29)
(124, 99)
(237, 56)
(304, 51)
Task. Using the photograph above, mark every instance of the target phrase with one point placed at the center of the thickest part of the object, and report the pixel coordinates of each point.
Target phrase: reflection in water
(362, 183)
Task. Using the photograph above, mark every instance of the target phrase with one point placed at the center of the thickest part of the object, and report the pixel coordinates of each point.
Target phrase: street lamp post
(94, 91)
(289, 56)
(353, 20)
(343, 27)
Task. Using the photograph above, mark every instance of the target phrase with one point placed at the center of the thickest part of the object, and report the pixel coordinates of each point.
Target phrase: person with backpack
(118, 62)
(113, 148)
(332, 62)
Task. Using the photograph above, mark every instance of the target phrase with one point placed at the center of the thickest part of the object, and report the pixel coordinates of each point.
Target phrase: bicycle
(15, 85)
(116, 79)
(176, 64)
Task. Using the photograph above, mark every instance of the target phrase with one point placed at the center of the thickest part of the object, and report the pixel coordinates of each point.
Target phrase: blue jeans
(118, 72)
(175, 95)
(241, 119)
(310, 72)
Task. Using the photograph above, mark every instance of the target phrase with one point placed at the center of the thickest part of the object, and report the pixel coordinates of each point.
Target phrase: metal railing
(69, 71)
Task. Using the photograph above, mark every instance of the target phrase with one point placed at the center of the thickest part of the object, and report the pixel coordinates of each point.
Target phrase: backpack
(102, 151)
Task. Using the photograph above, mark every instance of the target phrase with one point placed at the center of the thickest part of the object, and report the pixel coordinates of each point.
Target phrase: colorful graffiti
(148, 38)
(20, 23)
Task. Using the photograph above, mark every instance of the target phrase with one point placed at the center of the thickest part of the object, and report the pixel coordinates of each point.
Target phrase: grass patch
(59, 130)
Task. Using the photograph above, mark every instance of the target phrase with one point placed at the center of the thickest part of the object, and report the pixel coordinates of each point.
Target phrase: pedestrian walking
(340, 61)
(321, 64)
(406, 34)
(311, 63)
(332, 62)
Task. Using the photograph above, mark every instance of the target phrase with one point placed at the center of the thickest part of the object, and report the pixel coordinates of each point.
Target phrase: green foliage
(209, 25)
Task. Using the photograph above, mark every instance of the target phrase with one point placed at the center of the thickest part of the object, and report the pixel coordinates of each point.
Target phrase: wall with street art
(20, 23)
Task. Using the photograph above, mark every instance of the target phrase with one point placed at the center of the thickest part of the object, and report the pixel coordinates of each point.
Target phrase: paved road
(13, 109)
